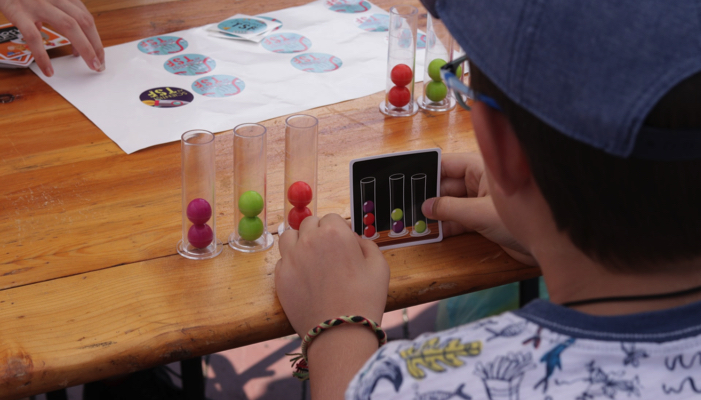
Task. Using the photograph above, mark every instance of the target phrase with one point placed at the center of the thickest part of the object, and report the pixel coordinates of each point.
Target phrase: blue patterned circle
(348, 6)
(242, 26)
(286, 43)
(190, 64)
(271, 19)
(161, 45)
(316, 62)
(374, 23)
(218, 86)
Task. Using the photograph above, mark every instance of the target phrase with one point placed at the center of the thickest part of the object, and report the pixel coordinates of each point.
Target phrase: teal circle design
(271, 19)
(162, 45)
(348, 6)
(242, 26)
(375, 23)
(286, 43)
(218, 86)
(190, 64)
(316, 62)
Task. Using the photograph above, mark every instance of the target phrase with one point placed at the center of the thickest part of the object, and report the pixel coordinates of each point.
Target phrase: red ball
(200, 235)
(369, 218)
(299, 194)
(399, 96)
(199, 211)
(402, 75)
(297, 215)
(369, 231)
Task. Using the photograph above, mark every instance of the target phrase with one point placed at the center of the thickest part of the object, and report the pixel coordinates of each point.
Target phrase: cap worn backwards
(592, 70)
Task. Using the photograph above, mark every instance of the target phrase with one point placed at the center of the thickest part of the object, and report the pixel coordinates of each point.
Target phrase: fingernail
(49, 71)
(98, 65)
(427, 207)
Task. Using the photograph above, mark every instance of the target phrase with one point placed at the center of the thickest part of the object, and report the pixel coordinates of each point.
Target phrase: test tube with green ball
(401, 59)
(199, 228)
(439, 51)
(250, 165)
(397, 211)
(419, 221)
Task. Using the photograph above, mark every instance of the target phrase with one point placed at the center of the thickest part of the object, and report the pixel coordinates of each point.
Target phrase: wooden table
(90, 283)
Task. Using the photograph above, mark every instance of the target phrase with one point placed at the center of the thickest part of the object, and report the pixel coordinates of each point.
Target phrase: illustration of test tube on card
(396, 202)
(367, 200)
(301, 138)
(418, 196)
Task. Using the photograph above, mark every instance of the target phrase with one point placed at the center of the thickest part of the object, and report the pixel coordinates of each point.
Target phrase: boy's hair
(627, 214)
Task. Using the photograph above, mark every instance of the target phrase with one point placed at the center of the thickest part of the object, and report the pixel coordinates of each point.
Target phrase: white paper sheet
(273, 86)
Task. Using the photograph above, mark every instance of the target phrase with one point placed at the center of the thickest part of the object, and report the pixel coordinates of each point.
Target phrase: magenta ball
(368, 206)
(199, 211)
(200, 236)
(398, 226)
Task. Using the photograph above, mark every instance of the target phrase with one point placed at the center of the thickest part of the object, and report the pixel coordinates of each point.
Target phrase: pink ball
(200, 236)
(199, 211)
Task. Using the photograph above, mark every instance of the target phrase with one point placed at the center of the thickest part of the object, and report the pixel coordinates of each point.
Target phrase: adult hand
(327, 271)
(466, 205)
(69, 17)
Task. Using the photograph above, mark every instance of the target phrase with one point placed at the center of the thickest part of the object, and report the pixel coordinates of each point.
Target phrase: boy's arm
(327, 271)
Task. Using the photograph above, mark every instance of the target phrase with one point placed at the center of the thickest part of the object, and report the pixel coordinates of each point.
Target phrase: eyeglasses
(454, 83)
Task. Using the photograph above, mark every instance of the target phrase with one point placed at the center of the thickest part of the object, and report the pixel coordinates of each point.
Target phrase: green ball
(436, 91)
(459, 72)
(420, 226)
(434, 69)
(251, 203)
(250, 228)
(397, 214)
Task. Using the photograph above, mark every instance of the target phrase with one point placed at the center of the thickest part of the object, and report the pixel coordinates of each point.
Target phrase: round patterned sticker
(218, 86)
(316, 62)
(421, 41)
(374, 23)
(190, 64)
(271, 19)
(348, 6)
(166, 97)
(405, 39)
(242, 25)
(286, 43)
(160, 45)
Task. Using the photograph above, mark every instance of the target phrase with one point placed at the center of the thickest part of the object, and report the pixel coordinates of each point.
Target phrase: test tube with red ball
(199, 228)
(368, 201)
(401, 56)
(301, 137)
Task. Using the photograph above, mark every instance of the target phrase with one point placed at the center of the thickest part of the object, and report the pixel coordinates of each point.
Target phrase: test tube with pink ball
(368, 212)
(199, 229)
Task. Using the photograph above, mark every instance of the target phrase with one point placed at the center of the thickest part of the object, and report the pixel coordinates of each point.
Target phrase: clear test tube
(368, 201)
(301, 133)
(397, 211)
(199, 234)
(439, 51)
(419, 222)
(401, 59)
(250, 213)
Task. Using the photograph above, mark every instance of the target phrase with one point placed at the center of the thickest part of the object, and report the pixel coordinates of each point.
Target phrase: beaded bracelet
(302, 368)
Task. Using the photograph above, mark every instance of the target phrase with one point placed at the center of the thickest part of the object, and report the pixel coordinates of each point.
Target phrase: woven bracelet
(302, 368)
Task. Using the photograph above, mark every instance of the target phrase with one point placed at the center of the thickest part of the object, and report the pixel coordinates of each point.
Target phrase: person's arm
(69, 17)
(327, 271)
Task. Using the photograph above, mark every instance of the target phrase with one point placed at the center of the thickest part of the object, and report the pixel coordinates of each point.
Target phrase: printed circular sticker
(218, 86)
(316, 62)
(271, 19)
(421, 41)
(242, 25)
(166, 97)
(374, 23)
(286, 43)
(190, 64)
(405, 39)
(348, 6)
(161, 45)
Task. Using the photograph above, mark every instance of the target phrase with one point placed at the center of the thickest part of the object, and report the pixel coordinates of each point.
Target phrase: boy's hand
(70, 18)
(327, 271)
(466, 205)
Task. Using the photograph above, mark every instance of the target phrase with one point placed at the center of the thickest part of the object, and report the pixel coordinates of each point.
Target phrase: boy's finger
(287, 241)
(453, 187)
(308, 224)
(454, 165)
(369, 248)
(473, 213)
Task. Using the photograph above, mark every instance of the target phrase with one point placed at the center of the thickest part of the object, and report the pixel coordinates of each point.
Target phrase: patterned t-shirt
(544, 352)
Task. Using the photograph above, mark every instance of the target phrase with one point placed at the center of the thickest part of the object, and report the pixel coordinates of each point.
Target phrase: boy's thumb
(473, 213)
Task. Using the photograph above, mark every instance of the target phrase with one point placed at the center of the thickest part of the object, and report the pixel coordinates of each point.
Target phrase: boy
(589, 124)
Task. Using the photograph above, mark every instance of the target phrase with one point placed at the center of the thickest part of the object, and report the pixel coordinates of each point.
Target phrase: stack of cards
(14, 52)
(244, 27)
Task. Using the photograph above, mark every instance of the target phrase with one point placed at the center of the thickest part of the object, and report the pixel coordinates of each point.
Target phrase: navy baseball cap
(591, 69)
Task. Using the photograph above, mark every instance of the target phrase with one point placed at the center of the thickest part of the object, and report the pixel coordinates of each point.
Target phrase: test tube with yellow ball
(419, 221)
(397, 213)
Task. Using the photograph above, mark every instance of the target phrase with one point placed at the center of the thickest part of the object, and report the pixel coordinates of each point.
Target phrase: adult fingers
(32, 36)
(87, 23)
(475, 214)
(287, 241)
(73, 30)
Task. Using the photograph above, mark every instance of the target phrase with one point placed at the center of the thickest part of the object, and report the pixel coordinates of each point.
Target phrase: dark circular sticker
(166, 97)
(242, 25)
(374, 23)
(190, 64)
(348, 6)
(286, 43)
(218, 86)
(161, 45)
(271, 19)
(316, 62)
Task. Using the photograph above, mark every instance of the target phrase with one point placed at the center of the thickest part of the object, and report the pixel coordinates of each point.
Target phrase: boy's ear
(501, 149)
